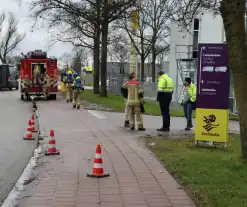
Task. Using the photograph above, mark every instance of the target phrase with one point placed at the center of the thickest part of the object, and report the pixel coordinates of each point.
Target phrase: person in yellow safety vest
(134, 101)
(69, 90)
(25, 85)
(70, 69)
(189, 101)
(36, 75)
(46, 85)
(164, 97)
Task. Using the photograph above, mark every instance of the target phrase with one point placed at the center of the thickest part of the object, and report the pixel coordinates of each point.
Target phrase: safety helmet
(70, 72)
(78, 77)
(75, 75)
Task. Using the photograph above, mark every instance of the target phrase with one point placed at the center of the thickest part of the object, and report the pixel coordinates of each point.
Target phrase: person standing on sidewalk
(46, 85)
(189, 101)
(135, 96)
(124, 92)
(164, 97)
(77, 88)
(69, 82)
(25, 84)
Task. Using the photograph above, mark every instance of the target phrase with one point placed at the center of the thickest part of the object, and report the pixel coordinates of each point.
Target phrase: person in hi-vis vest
(189, 101)
(164, 97)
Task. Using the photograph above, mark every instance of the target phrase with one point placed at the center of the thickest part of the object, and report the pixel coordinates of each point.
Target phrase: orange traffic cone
(33, 124)
(98, 170)
(52, 150)
(29, 135)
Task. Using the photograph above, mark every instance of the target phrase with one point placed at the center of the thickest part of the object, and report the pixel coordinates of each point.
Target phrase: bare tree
(81, 57)
(119, 51)
(97, 14)
(11, 38)
(160, 58)
(66, 58)
(157, 18)
(76, 23)
(85, 53)
(140, 40)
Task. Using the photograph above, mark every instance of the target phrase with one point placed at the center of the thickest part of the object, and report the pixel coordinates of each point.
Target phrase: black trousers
(165, 99)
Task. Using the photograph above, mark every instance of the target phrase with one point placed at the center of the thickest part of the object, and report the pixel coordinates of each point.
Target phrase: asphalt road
(14, 152)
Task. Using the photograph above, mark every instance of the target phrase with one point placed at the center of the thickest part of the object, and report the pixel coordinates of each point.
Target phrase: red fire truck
(49, 65)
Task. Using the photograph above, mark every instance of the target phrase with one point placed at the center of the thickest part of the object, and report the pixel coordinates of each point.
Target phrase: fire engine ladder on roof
(186, 66)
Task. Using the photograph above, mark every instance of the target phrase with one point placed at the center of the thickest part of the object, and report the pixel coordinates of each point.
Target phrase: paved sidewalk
(151, 123)
(136, 179)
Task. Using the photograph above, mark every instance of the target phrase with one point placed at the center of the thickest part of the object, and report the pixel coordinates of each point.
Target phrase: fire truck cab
(49, 65)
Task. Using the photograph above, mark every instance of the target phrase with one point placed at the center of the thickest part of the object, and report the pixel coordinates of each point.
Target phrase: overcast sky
(38, 39)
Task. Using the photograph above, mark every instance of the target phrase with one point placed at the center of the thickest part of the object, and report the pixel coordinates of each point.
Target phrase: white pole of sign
(200, 76)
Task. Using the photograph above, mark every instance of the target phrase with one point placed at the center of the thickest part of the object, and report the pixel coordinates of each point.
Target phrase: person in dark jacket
(124, 92)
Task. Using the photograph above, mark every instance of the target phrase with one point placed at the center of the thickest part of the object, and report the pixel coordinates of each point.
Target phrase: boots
(189, 125)
(74, 106)
(67, 101)
(127, 124)
(78, 107)
(70, 100)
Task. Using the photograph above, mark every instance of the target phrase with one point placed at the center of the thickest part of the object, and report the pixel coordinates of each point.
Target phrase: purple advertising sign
(213, 77)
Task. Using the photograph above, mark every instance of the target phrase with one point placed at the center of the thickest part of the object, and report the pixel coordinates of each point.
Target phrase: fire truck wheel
(53, 97)
(10, 88)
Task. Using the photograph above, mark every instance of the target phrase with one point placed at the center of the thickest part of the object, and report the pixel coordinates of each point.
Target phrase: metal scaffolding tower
(186, 59)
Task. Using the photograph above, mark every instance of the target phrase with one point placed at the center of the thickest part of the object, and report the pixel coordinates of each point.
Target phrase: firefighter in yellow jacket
(134, 100)
(36, 75)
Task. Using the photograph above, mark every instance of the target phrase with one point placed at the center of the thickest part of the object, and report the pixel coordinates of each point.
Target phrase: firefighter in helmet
(25, 85)
(68, 79)
(134, 101)
(77, 88)
(36, 75)
(46, 85)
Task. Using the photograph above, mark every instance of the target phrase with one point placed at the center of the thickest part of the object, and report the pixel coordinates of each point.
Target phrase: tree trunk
(96, 51)
(103, 91)
(142, 67)
(96, 56)
(232, 12)
(153, 63)
(240, 88)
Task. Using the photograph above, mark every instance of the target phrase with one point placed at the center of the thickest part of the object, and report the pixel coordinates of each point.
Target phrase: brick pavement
(136, 179)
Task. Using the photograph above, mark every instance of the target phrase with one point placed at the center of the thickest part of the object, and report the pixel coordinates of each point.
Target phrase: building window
(195, 40)
(196, 27)
(196, 24)
(195, 54)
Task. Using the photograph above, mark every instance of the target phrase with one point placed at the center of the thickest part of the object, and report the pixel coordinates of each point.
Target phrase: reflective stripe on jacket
(134, 91)
(36, 69)
(165, 83)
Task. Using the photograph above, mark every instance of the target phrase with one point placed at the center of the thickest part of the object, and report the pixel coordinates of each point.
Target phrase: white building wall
(211, 30)
(178, 37)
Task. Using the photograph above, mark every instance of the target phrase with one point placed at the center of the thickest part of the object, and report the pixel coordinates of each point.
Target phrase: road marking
(97, 114)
